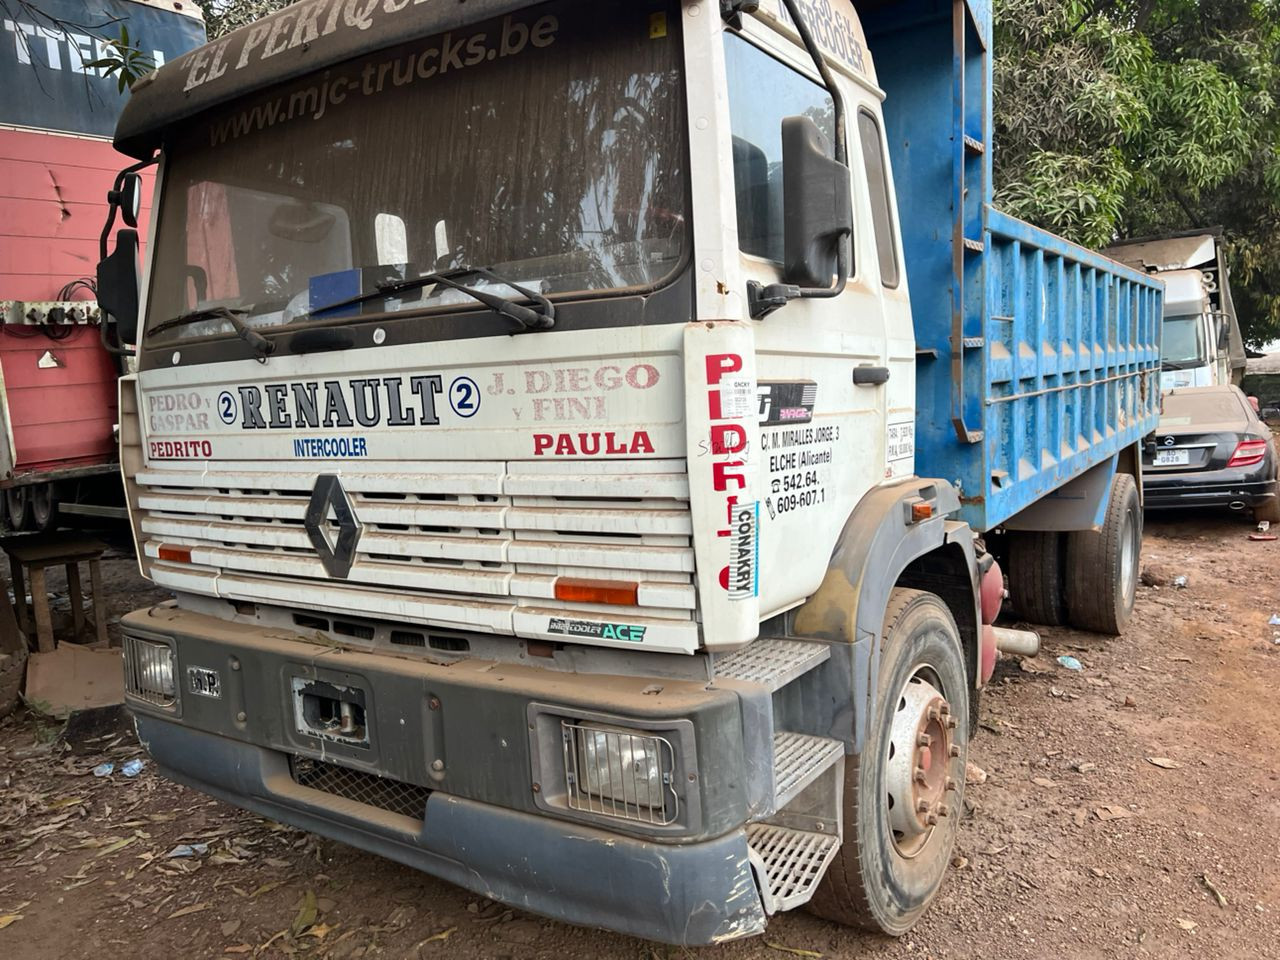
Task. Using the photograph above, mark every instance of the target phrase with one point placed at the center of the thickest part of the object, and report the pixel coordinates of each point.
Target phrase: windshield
(547, 145)
(1183, 344)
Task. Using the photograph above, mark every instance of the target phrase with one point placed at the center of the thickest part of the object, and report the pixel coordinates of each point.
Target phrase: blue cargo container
(1038, 360)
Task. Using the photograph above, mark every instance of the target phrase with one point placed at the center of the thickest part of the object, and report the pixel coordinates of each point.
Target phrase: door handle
(870, 376)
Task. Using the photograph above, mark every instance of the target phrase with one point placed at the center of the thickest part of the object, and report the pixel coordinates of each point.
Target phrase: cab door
(829, 370)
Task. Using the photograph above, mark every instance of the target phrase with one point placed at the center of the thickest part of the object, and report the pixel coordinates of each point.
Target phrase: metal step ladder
(790, 860)
(789, 863)
(792, 849)
(773, 662)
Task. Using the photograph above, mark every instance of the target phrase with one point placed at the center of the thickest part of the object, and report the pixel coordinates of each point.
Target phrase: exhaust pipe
(1236, 505)
(1022, 643)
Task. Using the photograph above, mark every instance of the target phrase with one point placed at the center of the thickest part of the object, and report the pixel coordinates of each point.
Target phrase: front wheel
(904, 795)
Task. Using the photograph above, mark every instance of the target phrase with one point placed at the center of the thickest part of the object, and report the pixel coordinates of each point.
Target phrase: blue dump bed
(1037, 359)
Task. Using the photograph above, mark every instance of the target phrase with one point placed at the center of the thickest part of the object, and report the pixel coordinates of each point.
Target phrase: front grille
(149, 672)
(466, 546)
(393, 796)
(620, 774)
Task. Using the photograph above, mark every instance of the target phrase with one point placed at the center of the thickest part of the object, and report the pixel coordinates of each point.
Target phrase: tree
(223, 16)
(1123, 118)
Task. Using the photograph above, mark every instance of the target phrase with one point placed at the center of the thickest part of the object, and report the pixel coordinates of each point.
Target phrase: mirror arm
(115, 350)
(113, 201)
(113, 207)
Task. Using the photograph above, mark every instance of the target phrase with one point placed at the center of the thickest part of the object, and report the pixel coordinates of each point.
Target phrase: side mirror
(128, 199)
(118, 283)
(817, 211)
(1224, 332)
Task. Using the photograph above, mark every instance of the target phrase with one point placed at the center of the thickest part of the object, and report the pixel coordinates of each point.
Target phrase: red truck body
(57, 380)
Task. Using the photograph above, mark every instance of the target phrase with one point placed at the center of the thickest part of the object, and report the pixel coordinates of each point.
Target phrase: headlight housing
(150, 673)
(620, 772)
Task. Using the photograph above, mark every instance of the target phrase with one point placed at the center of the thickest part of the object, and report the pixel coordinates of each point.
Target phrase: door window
(763, 90)
(881, 199)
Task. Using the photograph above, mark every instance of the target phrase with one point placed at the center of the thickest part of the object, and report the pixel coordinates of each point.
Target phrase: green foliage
(1121, 118)
(127, 63)
(223, 16)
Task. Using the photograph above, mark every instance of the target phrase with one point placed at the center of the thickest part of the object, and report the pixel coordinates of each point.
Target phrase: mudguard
(877, 545)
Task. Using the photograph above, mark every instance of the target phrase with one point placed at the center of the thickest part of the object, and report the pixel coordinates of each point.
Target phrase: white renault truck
(1202, 345)
(581, 471)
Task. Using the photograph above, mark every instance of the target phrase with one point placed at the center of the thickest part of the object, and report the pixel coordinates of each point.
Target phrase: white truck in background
(1202, 343)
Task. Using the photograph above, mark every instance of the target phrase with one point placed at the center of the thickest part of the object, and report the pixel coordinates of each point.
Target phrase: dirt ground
(1130, 809)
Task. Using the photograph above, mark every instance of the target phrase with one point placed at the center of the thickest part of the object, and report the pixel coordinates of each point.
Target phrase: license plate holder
(204, 682)
(1173, 458)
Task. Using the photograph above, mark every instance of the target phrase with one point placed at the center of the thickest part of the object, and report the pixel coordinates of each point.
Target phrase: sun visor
(300, 39)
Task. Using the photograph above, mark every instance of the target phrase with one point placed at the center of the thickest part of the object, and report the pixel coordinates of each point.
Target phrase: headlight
(619, 772)
(149, 671)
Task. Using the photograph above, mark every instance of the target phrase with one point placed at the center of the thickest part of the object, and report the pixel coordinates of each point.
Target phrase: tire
(17, 508)
(1102, 565)
(883, 880)
(44, 507)
(1036, 565)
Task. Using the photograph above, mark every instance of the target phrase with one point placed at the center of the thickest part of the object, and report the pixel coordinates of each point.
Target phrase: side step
(772, 663)
(798, 760)
(789, 863)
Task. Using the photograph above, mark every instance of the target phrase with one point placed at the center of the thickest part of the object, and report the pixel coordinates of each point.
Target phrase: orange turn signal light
(175, 554)
(921, 511)
(618, 592)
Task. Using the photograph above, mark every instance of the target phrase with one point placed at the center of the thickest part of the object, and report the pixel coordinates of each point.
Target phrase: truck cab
(1202, 343)
(526, 422)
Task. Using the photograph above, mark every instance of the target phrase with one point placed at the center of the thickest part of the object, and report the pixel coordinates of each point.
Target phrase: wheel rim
(920, 751)
(1129, 555)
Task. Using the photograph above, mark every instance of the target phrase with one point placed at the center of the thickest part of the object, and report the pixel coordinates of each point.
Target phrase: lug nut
(934, 713)
(931, 820)
(951, 723)
(955, 751)
(949, 785)
(922, 806)
(943, 811)
(945, 709)
(920, 777)
(924, 740)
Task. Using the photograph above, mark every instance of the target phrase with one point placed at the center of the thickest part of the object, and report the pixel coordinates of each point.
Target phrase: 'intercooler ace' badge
(626, 632)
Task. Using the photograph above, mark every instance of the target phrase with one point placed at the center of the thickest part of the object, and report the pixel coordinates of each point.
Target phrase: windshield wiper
(1180, 364)
(261, 345)
(528, 318)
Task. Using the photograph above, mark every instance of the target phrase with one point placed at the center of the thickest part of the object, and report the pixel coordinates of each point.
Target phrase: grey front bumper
(689, 894)
(494, 821)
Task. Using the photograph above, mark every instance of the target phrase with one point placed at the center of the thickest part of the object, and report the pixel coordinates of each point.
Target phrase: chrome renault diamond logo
(332, 526)
(1169, 441)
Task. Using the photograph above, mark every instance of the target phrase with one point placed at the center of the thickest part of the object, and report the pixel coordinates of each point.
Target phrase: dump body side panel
(1037, 359)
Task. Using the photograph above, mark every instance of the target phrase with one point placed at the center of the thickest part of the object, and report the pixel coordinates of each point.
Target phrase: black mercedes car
(1211, 450)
